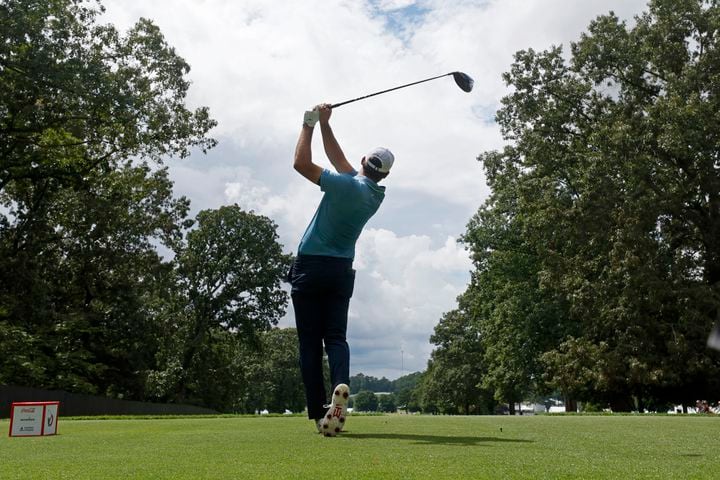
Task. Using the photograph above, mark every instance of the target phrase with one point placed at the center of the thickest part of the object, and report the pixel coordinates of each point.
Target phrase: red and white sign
(30, 419)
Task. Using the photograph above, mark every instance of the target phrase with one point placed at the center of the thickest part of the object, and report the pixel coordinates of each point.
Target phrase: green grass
(392, 446)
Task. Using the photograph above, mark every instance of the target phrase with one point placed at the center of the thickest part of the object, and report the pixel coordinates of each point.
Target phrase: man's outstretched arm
(332, 147)
(303, 154)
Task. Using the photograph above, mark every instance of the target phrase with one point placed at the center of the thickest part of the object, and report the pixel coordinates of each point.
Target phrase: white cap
(380, 159)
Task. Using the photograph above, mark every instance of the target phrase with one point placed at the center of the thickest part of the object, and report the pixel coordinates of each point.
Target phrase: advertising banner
(30, 419)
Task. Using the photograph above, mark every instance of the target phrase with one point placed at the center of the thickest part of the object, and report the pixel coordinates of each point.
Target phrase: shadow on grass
(432, 439)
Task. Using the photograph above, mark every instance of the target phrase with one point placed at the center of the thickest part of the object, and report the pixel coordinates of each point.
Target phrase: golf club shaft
(388, 90)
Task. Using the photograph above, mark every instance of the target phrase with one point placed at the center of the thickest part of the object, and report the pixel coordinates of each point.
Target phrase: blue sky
(401, 18)
(259, 64)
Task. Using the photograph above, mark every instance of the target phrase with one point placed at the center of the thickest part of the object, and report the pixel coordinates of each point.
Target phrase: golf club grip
(385, 91)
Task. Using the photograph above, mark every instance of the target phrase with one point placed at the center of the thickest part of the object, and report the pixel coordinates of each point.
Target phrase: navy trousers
(321, 291)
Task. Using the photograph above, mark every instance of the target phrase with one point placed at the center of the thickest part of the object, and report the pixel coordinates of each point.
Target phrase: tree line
(597, 255)
(88, 116)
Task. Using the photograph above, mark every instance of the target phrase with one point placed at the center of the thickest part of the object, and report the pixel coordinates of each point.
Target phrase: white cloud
(258, 65)
(389, 5)
(289, 209)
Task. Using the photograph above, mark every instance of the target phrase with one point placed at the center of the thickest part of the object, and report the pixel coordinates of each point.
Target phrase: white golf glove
(311, 118)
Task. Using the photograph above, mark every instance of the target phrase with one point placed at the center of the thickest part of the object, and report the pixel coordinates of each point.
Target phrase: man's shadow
(432, 439)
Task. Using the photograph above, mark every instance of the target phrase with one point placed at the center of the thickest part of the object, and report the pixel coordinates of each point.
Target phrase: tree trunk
(711, 239)
(570, 405)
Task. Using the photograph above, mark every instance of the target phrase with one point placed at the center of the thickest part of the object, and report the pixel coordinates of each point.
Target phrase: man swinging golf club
(322, 276)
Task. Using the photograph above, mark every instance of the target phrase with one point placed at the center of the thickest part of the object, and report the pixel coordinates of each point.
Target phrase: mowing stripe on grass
(390, 446)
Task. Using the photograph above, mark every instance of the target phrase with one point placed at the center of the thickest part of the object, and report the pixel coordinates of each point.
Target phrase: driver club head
(463, 81)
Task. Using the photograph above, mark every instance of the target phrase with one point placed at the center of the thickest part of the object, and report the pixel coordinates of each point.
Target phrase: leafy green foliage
(230, 271)
(361, 382)
(88, 116)
(597, 255)
(77, 96)
(387, 403)
(81, 108)
(452, 382)
(227, 281)
(274, 380)
(407, 392)
(365, 401)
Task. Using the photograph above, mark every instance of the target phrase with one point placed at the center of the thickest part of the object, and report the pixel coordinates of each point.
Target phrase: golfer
(322, 276)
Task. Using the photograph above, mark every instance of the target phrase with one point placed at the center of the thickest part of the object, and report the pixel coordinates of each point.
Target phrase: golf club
(461, 79)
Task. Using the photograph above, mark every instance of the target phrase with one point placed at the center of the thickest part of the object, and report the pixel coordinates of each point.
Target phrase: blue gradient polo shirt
(349, 202)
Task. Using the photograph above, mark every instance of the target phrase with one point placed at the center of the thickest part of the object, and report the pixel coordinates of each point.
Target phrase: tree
(452, 383)
(407, 391)
(611, 173)
(85, 289)
(406, 382)
(387, 403)
(365, 401)
(409, 400)
(221, 377)
(515, 318)
(577, 368)
(368, 382)
(229, 274)
(78, 97)
(110, 279)
(83, 110)
(274, 377)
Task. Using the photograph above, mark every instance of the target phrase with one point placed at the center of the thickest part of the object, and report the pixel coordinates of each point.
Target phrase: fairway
(391, 446)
